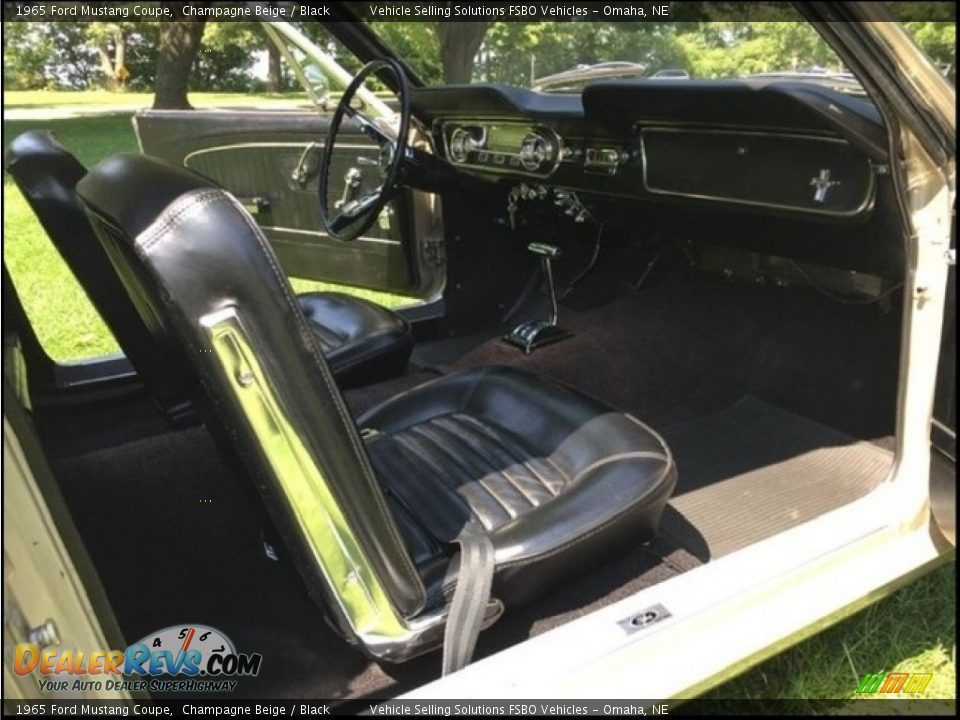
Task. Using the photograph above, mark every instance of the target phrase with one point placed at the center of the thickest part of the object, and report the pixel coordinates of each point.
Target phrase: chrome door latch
(307, 165)
(45, 635)
(351, 184)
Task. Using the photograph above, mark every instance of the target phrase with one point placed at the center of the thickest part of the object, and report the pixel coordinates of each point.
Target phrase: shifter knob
(548, 251)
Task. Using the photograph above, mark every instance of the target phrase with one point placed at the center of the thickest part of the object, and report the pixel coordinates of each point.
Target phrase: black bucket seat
(548, 482)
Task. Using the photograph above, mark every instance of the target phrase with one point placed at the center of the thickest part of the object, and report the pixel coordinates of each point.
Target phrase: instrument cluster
(502, 146)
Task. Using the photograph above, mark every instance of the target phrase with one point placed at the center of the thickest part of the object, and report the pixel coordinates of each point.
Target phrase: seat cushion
(559, 480)
(363, 342)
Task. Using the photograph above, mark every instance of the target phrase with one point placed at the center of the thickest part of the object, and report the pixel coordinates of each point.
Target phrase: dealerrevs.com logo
(180, 658)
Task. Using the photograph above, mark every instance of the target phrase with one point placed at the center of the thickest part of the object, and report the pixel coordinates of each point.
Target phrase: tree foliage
(28, 50)
(223, 62)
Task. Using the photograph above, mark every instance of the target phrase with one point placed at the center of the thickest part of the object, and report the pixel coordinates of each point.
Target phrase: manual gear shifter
(532, 334)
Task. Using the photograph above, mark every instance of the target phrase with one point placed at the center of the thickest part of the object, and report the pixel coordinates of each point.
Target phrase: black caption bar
(449, 708)
(427, 11)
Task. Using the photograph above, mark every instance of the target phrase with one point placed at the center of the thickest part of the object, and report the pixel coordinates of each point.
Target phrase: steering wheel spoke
(361, 205)
(369, 127)
(339, 223)
(358, 207)
(349, 219)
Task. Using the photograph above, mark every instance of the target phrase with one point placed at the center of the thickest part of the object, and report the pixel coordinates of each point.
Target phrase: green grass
(913, 630)
(43, 281)
(34, 99)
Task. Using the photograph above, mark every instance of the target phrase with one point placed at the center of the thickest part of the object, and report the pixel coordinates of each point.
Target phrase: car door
(943, 430)
(268, 159)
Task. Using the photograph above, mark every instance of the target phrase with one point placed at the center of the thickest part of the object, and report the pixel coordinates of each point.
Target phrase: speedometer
(461, 144)
(535, 152)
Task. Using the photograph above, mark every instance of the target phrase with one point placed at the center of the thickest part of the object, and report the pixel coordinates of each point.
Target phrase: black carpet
(691, 344)
(140, 504)
(359, 400)
(745, 473)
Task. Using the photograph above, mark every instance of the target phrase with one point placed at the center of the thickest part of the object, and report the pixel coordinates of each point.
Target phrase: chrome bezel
(552, 138)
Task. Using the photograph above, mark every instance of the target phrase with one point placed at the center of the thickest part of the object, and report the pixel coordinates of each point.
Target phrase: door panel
(254, 155)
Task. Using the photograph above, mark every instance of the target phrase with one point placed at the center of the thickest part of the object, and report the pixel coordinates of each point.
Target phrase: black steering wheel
(352, 216)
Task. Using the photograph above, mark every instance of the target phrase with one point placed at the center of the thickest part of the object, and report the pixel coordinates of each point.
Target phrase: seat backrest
(201, 268)
(47, 175)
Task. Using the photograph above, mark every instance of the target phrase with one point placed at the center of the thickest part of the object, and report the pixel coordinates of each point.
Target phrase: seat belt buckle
(369, 433)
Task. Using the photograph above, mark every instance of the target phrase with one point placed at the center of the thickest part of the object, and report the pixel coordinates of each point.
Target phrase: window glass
(700, 42)
(566, 56)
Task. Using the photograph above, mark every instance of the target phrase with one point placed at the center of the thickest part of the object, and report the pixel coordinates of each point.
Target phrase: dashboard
(773, 146)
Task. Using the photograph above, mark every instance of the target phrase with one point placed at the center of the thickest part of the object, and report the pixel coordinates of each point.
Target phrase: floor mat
(753, 470)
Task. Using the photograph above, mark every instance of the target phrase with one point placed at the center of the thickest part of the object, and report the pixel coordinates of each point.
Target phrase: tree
(73, 59)
(178, 46)
(225, 57)
(459, 43)
(27, 49)
(274, 70)
(417, 44)
(110, 42)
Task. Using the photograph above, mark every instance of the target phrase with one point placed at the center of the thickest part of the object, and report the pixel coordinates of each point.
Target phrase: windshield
(566, 56)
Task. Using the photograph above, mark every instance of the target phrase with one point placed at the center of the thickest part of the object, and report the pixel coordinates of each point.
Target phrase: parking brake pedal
(532, 334)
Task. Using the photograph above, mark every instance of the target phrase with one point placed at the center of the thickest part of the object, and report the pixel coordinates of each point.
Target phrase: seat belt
(470, 597)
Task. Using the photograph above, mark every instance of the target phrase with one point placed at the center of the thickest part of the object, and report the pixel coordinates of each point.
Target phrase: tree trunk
(106, 64)
(274, 71)
(459, 43)
(120, 72)
(179, 43)
(120, 51)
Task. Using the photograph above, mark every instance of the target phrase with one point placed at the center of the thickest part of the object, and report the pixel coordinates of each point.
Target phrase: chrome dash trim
(485, 123)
